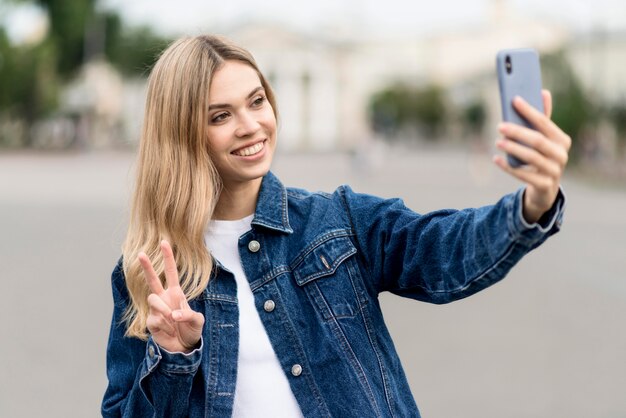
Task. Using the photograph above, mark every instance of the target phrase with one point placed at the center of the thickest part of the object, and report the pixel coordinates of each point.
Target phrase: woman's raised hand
(545, 155)
(172, 323)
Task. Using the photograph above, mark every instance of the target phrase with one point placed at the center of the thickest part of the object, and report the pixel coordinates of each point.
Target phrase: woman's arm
(444, 255)
(447, 255)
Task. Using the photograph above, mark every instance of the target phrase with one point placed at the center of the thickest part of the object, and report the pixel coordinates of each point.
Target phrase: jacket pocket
(328, 276)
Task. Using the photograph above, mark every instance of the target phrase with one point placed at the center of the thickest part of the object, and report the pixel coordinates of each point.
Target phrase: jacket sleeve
(444, 255)
(144, 379)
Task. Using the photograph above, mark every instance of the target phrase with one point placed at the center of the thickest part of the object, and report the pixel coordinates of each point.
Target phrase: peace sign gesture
(172, 323)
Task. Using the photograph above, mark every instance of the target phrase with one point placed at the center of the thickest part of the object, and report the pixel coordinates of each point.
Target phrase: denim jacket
(316, 263)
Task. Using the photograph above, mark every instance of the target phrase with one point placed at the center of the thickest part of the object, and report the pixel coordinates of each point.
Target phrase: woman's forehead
(232, 81)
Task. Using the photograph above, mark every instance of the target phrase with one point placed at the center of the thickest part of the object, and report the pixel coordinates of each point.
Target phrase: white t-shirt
(262, 389)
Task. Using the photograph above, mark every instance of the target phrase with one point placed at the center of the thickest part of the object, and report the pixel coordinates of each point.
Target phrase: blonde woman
(236, 296)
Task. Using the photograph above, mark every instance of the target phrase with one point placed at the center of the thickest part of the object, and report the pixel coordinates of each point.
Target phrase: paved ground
(549, 341)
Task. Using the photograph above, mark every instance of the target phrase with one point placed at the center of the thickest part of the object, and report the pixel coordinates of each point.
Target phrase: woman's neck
(237, 200)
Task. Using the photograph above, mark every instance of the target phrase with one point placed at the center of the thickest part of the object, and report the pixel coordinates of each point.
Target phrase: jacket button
(254, 246)
(296, 370)
(269, 305)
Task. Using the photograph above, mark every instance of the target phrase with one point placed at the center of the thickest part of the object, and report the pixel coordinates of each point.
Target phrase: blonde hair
(177, 185)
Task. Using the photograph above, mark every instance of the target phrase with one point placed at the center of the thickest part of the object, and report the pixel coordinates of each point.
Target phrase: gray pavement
(548, 341)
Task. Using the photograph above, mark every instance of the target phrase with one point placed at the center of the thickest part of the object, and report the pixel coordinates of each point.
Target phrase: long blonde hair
(177, 185)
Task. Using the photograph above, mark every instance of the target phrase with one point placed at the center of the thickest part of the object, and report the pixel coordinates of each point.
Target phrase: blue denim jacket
(316, 275)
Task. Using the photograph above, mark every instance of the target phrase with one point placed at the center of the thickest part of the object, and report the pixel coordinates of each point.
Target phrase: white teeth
(250, 150)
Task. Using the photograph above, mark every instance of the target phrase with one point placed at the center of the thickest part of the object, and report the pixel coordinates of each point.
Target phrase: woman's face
(242, 125)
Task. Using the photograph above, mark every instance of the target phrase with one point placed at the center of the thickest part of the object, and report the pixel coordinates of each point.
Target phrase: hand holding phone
(529, 133)
(519, 74)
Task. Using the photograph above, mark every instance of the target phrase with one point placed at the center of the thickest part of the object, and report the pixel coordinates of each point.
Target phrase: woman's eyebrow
(226, 105)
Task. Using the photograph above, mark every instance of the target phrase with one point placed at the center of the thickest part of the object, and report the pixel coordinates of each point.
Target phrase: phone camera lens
(508, 65)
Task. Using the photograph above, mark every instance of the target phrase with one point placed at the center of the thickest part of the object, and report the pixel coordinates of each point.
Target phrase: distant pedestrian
(236, 296)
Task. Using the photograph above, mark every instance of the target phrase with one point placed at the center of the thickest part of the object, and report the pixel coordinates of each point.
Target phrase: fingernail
(177, 315)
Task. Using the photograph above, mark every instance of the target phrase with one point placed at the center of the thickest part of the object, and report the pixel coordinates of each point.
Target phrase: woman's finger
(547, 103)
(156, 324)
(161, 314)
(537, 180)
(533, 159)
(194, 319)
(541, 123)
(151, 277)
(171, 271)
(158, 305)
(536, 141)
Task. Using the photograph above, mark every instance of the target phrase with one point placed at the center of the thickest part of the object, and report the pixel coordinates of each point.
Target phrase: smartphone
(519, 74)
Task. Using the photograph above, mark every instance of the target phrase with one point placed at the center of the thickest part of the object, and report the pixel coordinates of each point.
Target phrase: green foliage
(132, 50)
(474, 116)
(388, 110)
(74, 28)
(617, 115)
(430, 109)
(69, 24)
(573, 110)
(28, 82)
(6, 71)
(31, 75)
(399, 107)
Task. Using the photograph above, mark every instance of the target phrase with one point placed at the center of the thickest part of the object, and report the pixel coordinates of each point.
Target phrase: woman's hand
(173, 324)
(545, 156)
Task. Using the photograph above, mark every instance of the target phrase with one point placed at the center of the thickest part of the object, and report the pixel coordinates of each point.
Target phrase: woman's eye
(219, 117)
(258, 101)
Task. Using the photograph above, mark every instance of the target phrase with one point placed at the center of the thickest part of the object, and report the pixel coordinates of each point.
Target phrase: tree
(400, 107)
(31, 75)
(69, 24)
(28, 82)
(429, 110)
(573, 111)
(132, 50)
(617, 114)
(474, 116)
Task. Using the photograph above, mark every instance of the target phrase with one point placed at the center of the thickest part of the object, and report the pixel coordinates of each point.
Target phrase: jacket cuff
(172, 363)
(549, 223)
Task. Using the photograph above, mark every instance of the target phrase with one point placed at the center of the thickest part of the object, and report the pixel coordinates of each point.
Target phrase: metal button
(254, 246)
(269, 305)
(296, 370)
(325, 262)
(151, 351)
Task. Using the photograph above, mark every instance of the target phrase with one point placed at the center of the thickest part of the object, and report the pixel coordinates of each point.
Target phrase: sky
(373, 17)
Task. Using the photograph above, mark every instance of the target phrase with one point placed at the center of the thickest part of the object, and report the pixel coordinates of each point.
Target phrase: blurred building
(599, 59)
(324, 80)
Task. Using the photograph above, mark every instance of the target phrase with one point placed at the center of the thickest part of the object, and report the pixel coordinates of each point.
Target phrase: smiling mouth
(251, 150)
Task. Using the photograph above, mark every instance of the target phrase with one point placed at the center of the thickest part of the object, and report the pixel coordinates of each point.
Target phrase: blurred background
(396, 98)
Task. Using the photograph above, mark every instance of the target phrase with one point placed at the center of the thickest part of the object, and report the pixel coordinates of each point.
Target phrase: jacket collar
(271, 206)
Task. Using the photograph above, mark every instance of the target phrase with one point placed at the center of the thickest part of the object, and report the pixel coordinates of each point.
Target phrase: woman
(266, 302)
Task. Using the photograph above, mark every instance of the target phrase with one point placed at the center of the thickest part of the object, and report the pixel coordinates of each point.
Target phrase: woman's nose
(248, 125)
